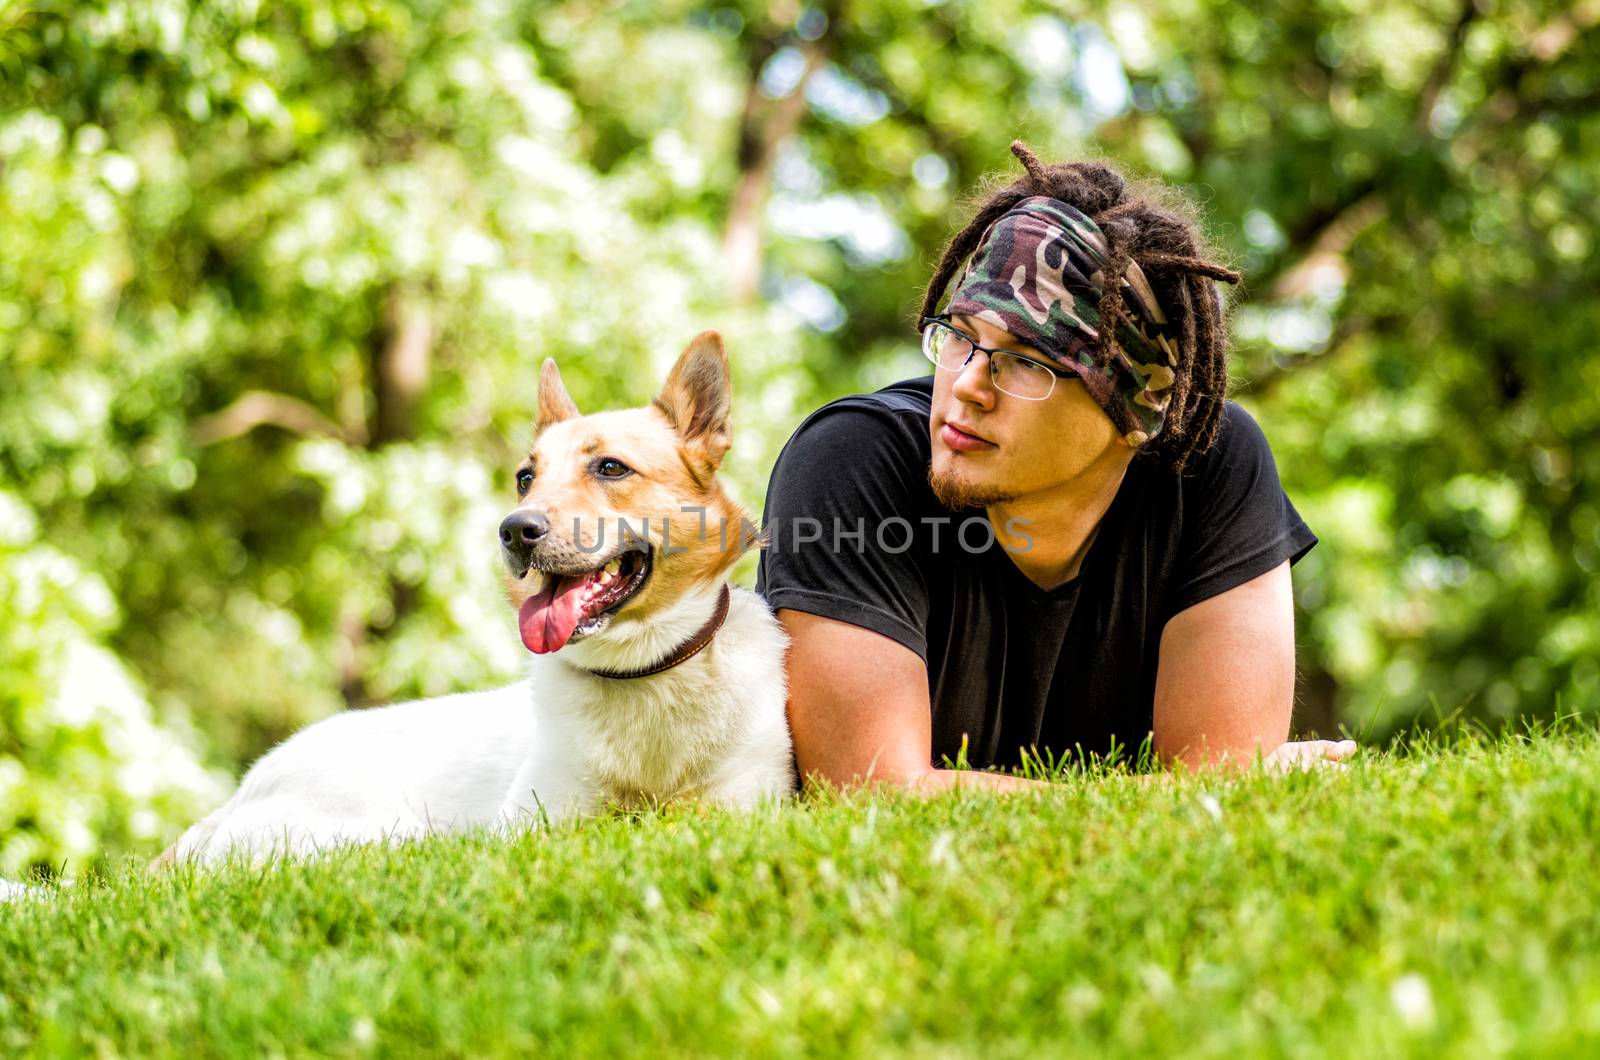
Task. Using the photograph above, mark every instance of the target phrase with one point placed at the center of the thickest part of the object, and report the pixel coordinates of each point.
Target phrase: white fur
(10, 891)
(561, 743)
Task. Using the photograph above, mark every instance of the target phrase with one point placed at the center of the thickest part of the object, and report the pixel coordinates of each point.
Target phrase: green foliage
(277, 279)
(82, 763)
(1436, 903)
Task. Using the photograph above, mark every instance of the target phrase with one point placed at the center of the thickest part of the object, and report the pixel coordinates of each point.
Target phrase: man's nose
(972, 383)
(520, 533)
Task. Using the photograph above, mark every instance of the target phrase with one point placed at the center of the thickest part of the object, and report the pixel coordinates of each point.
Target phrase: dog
(650, 679)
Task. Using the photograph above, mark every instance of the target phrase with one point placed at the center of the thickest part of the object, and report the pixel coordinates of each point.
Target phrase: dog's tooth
(536, 581)
(614, 567)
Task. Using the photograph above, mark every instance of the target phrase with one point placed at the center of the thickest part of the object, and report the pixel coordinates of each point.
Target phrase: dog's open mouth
(568, 605)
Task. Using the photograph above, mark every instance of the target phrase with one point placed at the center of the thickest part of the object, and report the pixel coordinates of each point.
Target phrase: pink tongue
(548, 619)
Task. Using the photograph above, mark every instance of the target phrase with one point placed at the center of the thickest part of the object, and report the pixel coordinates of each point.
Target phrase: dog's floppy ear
(696, 398)
(555, 404)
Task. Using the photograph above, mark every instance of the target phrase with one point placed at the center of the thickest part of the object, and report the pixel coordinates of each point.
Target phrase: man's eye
(606, 467)
(524, 481)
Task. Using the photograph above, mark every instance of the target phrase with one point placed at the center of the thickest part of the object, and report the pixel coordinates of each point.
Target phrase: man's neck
(1047, 534)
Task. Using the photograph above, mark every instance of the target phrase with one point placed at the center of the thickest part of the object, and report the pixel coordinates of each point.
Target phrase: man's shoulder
(893, 420)
(907, 399)
(841, 510)
(859, 455)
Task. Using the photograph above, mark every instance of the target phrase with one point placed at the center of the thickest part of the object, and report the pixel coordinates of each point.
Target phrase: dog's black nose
(520, 532)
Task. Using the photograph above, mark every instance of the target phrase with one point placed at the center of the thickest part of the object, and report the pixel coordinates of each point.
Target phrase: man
(1065, 542)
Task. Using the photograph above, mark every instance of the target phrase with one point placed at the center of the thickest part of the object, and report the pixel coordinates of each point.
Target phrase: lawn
(1435, 902)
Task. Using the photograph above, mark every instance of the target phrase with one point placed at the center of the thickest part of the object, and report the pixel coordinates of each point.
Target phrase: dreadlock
(1167, 244)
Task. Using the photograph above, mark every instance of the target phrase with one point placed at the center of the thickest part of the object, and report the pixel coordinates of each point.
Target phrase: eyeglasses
(1011, 373)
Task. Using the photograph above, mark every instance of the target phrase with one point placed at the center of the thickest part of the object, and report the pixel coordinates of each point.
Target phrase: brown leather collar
(684, 652)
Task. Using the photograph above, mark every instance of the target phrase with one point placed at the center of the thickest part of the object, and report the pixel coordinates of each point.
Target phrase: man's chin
(960, 493)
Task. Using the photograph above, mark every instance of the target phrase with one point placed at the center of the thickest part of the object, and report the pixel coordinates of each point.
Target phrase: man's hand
(1304, 755)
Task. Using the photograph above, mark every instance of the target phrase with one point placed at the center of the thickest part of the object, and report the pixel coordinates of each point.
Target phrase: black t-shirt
(855, 534)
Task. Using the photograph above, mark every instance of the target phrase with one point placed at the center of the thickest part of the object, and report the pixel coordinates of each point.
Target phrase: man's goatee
(959, 495)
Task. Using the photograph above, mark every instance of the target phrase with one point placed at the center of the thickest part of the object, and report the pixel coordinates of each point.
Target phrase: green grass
(1440, 902)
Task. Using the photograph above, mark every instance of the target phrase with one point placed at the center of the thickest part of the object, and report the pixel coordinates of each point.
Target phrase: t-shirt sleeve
(840, 507)
(1237, 522)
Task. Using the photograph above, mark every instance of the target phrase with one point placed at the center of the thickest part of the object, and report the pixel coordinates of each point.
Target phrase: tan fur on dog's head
(671, 451)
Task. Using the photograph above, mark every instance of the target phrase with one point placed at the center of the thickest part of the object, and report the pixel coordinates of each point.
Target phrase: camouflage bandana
(1038, 274)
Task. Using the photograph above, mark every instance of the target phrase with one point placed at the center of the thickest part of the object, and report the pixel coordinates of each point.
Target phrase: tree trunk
(766, 126)
(401, 361)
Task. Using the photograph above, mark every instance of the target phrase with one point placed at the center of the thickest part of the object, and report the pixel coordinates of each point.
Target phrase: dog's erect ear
(555, 404)
(696, 398)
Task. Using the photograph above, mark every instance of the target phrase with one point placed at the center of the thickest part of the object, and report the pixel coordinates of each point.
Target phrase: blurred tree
(83, 763)
(277, 278)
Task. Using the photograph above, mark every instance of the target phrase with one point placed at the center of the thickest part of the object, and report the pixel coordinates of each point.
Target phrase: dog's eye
(524, 481)
(606, 467)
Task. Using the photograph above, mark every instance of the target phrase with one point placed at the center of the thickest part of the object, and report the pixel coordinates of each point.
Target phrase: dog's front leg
(547, 791)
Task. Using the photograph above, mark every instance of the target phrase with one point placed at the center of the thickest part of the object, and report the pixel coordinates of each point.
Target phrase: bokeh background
(276, 277)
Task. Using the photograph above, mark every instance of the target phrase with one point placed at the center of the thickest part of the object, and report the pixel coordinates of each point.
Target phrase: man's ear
(696, 399)
(555, 404)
